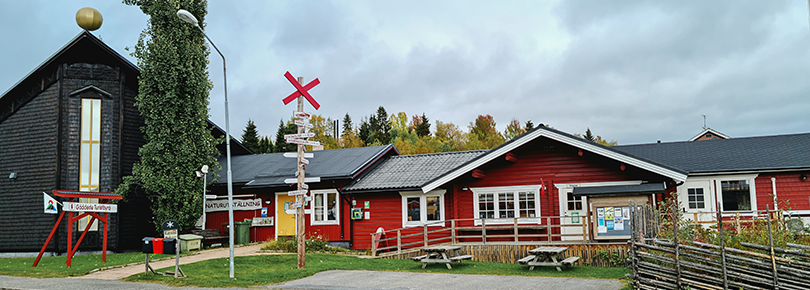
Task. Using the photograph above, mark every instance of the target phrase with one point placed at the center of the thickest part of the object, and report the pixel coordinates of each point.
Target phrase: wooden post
(548, 228)
(695, 221)
(770, 241)
(675, 219)
(453, 230)
(633, 239)
(722, 246)
(399, 241)
(739, 230)
(484, 231)
(424, 229)
(299, 199)
(516, 230)
(373, 245)
(584, 228)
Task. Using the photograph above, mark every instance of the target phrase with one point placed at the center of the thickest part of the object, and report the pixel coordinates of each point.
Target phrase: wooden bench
(570, 260)
(526, 259)
(211, 237)
(461, 258)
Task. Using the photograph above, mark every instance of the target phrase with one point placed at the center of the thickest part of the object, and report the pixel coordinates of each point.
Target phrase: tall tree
(423, 128)
(366, 132)
(265, 146)
(347, 124)
(172, 97)
(399, 122)
(281, 144)
(589, 136)
(250, 138)
(483, 129)
(450, 136)
(383, 127)
(513, 130)
(529, 126)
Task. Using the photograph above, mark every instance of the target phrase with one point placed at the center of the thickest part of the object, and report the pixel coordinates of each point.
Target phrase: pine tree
(423, 128)
(589, 136)
(529, 126)
(172, 97)
(250, 138)
(347, 124)
(281, 144)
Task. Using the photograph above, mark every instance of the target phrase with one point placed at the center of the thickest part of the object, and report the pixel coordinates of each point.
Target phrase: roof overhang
(574, 141)
(614, 190)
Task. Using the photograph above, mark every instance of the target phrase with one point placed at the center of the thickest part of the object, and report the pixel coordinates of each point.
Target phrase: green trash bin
(242, 232)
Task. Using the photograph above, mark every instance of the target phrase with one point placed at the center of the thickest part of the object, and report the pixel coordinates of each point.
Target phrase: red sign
(301, 91)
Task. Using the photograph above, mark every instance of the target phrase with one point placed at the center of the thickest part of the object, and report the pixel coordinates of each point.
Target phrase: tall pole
(204, 199)
(299, 199)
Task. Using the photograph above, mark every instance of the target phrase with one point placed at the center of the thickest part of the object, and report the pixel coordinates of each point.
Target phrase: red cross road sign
(301, 91)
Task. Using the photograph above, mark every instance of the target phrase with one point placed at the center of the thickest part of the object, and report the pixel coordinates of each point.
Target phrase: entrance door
(285, 216)
(697, 201)
(573, 208)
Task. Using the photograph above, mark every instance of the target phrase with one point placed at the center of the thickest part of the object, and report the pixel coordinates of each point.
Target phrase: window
(736, 194)
(695, 196)
(89, 157)
(574, 202)
(507, 203)
(325, 207)
(422, 208)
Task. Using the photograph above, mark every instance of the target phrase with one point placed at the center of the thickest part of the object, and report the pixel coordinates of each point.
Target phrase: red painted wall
(789, 187)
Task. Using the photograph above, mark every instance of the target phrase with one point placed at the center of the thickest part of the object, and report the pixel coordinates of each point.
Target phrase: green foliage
(173, 99)
(281, 144)
(54, 267)
(423, 128)
(529, 126)
(347, 125)
(313, 244)
(612, 256)
(513, 130)
(483, 134)
(250, 138)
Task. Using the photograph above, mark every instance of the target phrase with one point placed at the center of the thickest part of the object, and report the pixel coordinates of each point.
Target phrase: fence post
(584, 228)
(548, 228)
(373, 246)
(633, 235)
(722, 246)
(484, 231)
(516, 230)
(399, 241)
(739, 230)
(453, 230)
(675, 219)
(425, 233)
(770, 241)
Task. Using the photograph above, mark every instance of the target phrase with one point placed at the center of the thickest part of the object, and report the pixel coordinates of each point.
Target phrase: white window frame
(324, 192)
(90, 155)
(422, 208)
(752, 191)
(506, 189)
(716, 190)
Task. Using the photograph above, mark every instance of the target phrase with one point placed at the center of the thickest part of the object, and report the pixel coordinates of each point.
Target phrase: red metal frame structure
(103, 198)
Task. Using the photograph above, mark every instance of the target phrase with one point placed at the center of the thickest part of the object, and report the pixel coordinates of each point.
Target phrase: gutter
(351, 221)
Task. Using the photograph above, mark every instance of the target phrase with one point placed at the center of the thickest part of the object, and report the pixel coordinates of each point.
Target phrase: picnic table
(441, 254)
(547, 256)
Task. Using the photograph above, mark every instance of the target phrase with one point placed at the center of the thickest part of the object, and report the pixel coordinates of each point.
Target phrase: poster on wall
(609, 213)
(609, 224)
(626, 212)
(600, 212)
(612, 222)
(618, 224)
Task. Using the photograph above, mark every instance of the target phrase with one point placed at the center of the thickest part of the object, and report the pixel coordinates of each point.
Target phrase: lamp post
(202, 174)
(188, 17)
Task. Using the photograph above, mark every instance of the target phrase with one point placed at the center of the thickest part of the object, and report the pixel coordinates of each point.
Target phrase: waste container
(157, 245)
(147, 245)
(242, 232)
(170, 246)
(190, 242)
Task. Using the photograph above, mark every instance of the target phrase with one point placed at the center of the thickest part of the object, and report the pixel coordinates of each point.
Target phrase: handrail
(437, 232)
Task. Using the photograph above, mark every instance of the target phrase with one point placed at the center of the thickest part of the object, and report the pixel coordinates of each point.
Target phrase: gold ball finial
(88, 18)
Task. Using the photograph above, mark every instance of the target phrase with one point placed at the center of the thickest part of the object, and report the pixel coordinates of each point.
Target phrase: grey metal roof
(410, 171)
(644, 188)
(729, 155)
(270, 170)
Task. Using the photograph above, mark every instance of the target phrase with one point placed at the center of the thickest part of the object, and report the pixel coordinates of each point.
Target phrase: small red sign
(301, 91)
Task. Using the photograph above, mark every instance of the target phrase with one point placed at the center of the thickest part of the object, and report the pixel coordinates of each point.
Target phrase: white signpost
(89, 207)
(297, 192)
(303, 142)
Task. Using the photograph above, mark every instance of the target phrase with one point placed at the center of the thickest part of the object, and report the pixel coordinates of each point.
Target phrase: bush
(312, 244)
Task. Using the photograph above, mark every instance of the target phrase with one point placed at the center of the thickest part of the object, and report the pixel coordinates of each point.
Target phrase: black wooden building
(42, 139)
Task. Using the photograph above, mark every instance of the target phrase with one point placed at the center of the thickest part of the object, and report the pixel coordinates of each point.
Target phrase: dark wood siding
(789, 188)
(28, 148)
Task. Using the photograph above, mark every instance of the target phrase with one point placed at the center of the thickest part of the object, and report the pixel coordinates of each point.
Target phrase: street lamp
(188, 17)
(201, 174)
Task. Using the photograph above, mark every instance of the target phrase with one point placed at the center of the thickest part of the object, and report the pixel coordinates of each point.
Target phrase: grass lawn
(54, 267)
(271, 269)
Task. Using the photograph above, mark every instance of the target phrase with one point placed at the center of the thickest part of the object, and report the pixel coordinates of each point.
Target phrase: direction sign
(304, 186)
(295, 155)
(302, 124)
(301, 91)
(210, 196)
(307, 180)
(305, 161)
(303, 142)
(297, 192)
(299, 136)
(295, 205)
(301, 115)
(94, 207)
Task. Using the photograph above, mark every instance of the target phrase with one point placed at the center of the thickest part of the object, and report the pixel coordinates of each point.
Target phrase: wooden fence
(670, 264)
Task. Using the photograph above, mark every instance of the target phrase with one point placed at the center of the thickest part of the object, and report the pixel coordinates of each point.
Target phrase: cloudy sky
(631, 71)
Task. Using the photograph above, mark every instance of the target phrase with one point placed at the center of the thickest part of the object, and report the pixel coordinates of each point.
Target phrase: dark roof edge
(747, 171)
(360, 169)
(378, 190)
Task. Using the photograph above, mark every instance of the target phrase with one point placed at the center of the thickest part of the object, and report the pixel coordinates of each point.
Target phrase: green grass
(54, 267)
(272, 269)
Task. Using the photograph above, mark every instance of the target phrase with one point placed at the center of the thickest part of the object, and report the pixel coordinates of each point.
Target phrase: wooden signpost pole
(299, 199)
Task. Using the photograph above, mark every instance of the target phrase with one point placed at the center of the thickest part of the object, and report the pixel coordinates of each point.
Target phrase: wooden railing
(477, 230)
(737, 218)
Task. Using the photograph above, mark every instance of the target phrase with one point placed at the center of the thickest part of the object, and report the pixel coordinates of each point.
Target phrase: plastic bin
(147, 245)
(170, 246)
(242, 232)
(157, 245)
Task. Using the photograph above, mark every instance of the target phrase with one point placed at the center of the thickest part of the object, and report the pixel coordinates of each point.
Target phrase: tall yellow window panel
(90, 154)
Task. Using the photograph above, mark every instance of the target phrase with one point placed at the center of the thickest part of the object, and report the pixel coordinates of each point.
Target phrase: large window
(89, 157)
(507, 203)
(325, 207)
(422, 208)
(736, 194)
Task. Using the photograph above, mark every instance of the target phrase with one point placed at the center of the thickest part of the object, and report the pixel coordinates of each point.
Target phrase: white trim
(312, 208)
(573, 141)
(752, 187)
(564, 198)
(707, 130)
(515, 189)
(422, 204)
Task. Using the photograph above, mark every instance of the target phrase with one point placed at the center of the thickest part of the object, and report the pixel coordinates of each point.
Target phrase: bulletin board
(611, 221)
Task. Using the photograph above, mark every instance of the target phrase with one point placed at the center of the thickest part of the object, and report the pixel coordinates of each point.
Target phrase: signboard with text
(238, 204)
(89, 207)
